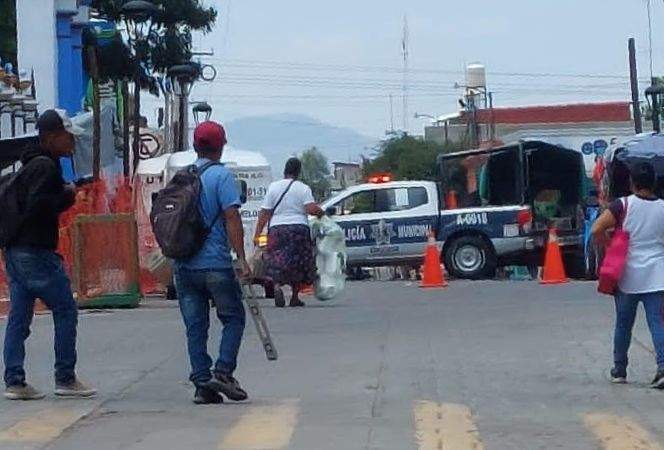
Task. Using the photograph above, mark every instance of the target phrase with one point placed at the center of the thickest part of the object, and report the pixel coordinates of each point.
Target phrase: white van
(250, 167)
(153, 174)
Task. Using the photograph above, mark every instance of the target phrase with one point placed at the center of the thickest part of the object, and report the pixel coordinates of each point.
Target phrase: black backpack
(12, 216)
(12, 205)
(176, 219)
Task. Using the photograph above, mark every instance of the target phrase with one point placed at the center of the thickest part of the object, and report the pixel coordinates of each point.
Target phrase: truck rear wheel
(470, 257)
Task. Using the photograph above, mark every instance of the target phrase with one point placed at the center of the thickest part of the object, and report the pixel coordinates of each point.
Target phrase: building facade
(588, 128)
(49, 42)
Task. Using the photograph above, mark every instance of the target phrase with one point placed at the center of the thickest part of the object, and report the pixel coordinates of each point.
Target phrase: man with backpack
(32, 201)
(195, 218)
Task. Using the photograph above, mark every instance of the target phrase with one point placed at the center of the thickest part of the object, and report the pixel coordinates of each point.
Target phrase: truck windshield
(489, 179)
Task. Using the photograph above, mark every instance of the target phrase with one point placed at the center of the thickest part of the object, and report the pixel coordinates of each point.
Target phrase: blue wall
(70, 65)
(70, 75)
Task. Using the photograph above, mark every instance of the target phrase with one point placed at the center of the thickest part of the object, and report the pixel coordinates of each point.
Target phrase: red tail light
(525, 219)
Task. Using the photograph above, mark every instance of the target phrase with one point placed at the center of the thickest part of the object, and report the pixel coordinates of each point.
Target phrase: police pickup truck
(491, 207)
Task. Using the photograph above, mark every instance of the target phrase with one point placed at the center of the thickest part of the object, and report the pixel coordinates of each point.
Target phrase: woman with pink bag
(642, 218)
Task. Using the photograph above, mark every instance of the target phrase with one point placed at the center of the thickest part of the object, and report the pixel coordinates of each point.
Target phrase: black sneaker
(618, 376)
(658, 382)
(206, 395)
(228, 386)
(279, 300)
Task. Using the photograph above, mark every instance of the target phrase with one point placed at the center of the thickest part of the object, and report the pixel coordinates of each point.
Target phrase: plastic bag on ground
(330, 258)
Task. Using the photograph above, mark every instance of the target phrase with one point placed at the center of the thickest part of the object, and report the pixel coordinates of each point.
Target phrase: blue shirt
(218, 193)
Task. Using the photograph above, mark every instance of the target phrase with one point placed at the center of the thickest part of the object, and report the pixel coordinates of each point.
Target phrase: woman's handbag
(615, 257)
(276, 205)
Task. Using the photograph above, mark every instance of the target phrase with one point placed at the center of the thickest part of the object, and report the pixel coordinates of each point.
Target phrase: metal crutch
(259, 320)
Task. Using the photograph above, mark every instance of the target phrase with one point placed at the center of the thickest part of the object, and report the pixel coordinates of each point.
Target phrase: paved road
(479, 365)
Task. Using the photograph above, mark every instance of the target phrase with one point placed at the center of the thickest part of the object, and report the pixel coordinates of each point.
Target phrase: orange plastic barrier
(98, 241)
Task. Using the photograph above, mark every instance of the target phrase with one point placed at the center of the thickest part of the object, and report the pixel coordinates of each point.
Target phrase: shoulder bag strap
(199, 171)
(276, 205)
(621, 221)
(624, 214)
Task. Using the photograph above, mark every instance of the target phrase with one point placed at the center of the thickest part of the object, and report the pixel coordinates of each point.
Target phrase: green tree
(8, 31)
(315, 172)
(408, 158)
(170, 43)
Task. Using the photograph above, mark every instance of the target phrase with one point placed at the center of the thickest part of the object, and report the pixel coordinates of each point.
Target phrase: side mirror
(330, 211)
(242, 189)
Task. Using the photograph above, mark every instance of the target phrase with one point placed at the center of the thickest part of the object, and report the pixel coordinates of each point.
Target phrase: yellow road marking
(619, 433)
(445, 426)
(263, 428)
(42, 427)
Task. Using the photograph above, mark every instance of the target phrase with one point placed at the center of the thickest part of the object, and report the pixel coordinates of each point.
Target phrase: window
(358, 203)
(400, 199)
(383, 200)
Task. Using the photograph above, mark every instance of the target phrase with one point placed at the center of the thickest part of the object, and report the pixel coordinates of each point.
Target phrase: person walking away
(209, 274)
(34, 268)
(642, 215)
(290, 256)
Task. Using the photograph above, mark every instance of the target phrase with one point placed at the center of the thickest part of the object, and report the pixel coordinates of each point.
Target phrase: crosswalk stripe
(619, 433)
(263, 428)
(40, 428)
(445, 426)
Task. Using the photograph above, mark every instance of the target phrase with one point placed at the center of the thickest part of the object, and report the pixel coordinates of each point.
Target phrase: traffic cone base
(554, 270)
(432, 272)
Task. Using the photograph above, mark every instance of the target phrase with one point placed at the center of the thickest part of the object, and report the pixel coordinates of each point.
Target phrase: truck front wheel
(470, 257)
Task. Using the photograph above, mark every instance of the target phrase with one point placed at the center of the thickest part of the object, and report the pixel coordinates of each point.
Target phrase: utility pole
(655, 93)
(391, 114)
(634, 81)
(404, 87)
(96, 113)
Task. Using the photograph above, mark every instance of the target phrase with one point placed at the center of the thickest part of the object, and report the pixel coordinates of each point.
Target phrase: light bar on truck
(380, 178)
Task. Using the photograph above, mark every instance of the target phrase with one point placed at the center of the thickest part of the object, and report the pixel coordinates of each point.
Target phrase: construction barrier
(105, 268)
(99, 246)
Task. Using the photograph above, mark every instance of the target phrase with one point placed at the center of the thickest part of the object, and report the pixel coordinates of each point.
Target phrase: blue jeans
(626, 305)
(195, 289)
(37, 273)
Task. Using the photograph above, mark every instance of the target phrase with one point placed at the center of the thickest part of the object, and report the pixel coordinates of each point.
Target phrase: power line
(283, 65)
(385, 84)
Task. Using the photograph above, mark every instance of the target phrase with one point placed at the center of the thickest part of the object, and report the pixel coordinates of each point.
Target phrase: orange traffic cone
(432, 276)
(554, 270)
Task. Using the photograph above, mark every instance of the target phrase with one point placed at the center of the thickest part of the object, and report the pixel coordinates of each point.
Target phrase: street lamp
(182, 78)
(202, 112)
(138, 17)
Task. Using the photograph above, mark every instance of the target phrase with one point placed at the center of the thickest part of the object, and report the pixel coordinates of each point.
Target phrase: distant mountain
(280, 136)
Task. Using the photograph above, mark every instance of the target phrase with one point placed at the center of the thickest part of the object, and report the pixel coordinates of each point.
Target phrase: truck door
(386, 224)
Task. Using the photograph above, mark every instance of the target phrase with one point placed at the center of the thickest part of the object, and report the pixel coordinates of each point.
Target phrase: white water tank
(476, 75)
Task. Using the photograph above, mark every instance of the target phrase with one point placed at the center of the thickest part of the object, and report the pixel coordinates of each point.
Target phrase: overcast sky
(339, 61)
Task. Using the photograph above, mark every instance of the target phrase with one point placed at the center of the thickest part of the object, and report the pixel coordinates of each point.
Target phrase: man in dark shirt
(34, 268)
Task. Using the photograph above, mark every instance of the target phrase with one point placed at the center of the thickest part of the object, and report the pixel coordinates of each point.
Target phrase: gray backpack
(176, 218)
